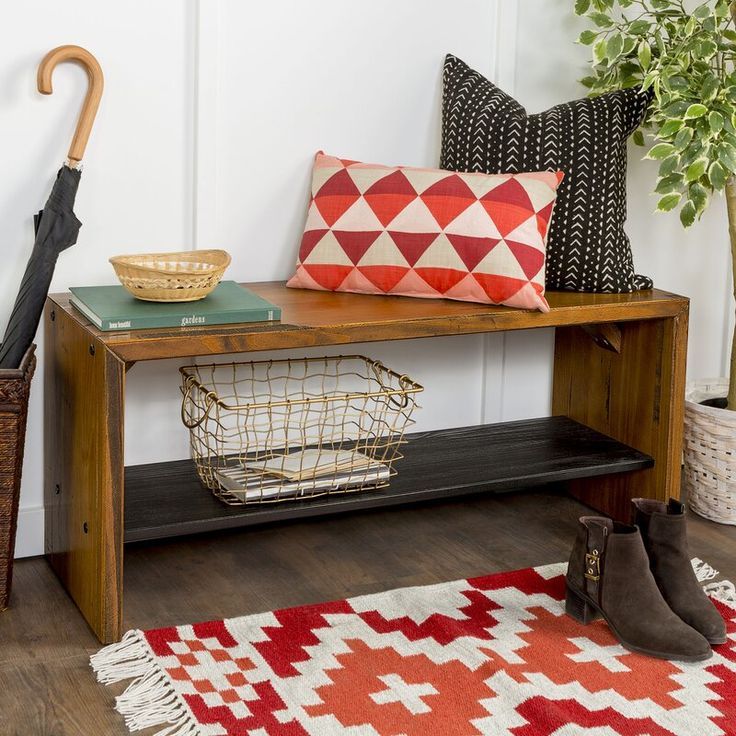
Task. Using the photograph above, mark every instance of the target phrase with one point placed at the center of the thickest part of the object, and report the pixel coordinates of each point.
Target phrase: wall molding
(30, 538)
(504, 45)
(502, 69)
(205, 107)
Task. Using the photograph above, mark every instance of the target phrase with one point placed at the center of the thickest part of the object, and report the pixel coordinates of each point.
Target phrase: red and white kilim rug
(492, 655)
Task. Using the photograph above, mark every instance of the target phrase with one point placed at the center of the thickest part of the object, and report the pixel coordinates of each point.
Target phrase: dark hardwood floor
(47, 687)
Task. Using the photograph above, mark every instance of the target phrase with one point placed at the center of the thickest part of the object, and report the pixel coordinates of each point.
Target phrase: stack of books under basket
(15, 388)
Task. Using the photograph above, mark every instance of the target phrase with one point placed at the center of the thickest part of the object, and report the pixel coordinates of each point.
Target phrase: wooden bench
(618, 393)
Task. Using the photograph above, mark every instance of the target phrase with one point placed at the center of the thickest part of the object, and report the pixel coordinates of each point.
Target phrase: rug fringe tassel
(128, 658)
(149, 700)
(703, 570)
(723, 590)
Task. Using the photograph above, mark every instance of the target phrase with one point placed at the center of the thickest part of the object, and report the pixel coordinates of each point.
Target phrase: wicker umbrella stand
(15, 388)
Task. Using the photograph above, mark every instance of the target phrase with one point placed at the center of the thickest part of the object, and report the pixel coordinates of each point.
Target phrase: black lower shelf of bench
(167, 499)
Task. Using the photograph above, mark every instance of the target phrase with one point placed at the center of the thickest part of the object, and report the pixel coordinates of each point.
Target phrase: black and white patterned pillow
(486, 130)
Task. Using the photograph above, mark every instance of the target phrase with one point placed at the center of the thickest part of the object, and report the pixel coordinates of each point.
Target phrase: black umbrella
(56, 225)
(56, 229)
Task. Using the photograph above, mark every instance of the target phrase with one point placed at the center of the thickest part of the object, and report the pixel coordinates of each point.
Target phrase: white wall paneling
(206, 76)
(693, 262)
(518, 375)
(212, 113)
(135, 193)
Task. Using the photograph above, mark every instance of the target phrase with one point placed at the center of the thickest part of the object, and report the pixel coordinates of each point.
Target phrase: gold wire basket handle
(404, 381)
(210, 399)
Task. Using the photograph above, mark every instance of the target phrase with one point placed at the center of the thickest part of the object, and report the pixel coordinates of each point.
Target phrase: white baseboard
(29, 541)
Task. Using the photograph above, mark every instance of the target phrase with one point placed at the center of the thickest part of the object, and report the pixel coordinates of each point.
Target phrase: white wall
(136, 191)
(693, 262)
(212, 112)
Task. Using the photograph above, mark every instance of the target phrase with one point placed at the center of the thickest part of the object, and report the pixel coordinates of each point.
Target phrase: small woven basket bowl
(171, 277)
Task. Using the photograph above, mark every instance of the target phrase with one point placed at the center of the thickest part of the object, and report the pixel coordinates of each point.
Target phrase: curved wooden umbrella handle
(91, 101)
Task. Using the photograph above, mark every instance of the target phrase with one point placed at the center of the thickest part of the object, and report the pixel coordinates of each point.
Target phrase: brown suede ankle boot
(609, 575)
(664, 532)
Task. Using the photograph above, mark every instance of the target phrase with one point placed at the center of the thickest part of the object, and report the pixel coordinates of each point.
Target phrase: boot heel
(579, 608)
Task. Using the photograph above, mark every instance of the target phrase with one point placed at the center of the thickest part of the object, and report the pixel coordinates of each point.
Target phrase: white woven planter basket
(710, 452)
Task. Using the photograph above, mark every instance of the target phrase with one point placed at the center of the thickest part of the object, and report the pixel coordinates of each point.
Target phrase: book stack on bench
(112, 308)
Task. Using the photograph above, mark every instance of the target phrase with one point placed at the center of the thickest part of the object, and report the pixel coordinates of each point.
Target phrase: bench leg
(83, 471)
(635, 395)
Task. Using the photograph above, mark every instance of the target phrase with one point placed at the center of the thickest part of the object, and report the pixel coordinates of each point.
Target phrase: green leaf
(645, 55)
(670, 128)
(669, 165)
(658, 89)
(683, 138)
(669, 202)
(638, 137)
(695, 111)
(660, 43)
(687, 214)
(628, 82)
(588, 81)
(696, 169)
(581, 7)
(614, 46)
(587, 37)
(702, 11)
(599, 51)
(690, 27)
(706, 49)
(727, 156)
(678, 83)
(717, 175)
(649, 80)
(601, 19)
(698, 195)
(694, 151)
(676, 109)
(640, 27)
(716, 122)
(728, 33)
(660, 151)
(722, 8)
(669, 184)
(710, 88)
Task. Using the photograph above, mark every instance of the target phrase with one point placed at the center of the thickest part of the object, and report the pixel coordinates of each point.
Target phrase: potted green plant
(686, 59)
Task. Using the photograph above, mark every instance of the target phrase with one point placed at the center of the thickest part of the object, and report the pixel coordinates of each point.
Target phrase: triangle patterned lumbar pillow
(427, 233)
(486, 130)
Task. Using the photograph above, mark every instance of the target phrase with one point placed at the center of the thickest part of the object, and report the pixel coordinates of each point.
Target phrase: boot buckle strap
(593, 566)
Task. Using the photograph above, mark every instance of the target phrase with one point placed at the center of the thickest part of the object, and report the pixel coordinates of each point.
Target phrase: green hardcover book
(114, 308)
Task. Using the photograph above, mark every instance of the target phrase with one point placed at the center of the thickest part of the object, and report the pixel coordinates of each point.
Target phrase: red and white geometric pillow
(427, 233)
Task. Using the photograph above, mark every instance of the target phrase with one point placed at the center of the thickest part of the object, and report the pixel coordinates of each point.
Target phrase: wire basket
(279, 430)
